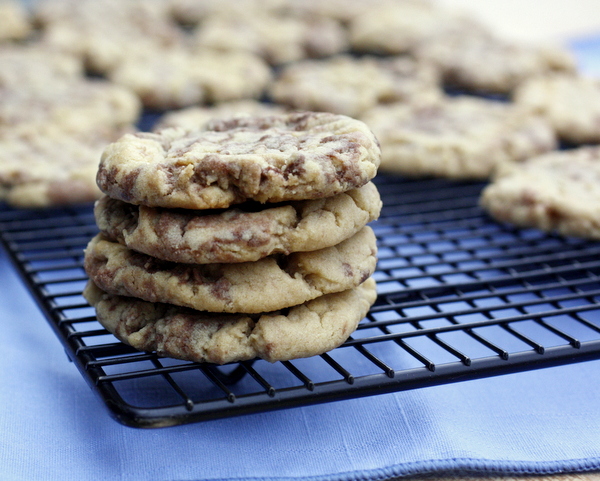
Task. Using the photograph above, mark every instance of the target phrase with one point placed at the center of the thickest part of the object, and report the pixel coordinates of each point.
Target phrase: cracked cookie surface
(269, 284)
(553, 192)
(297, 156)
(301, 331)
(239, 234)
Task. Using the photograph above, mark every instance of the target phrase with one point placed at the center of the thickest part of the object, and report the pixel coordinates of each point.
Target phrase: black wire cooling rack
(460, 297)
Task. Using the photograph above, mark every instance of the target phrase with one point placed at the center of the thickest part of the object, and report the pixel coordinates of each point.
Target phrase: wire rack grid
(460, 297)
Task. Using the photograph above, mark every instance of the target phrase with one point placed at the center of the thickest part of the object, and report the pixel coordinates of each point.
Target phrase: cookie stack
(246, 238)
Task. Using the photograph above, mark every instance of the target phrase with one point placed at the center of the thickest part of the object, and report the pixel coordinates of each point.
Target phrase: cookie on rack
(104, 34)
(52, 136)
(80, 106)
(343, 11)
(555, 192)
(456, 137)
(16, 23)
(276, 38)
(475, 60)
(244, 233)
(197, 117)
(399, 27)
(296, 156)
(269, 284)
(305, 330)
(350, 85)
(570, 103)
(33, 67)
(41, 166)
(192, 12)
(177, 77)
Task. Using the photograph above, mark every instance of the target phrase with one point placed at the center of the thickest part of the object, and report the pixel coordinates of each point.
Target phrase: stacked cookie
(246, 238)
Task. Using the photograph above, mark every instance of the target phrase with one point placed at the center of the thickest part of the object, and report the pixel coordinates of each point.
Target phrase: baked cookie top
(558, 191)
(295, 156)
(276, 38)
(350, 85)
(301, 331)
(476, 60)
(197, 117)
(268, 284)
(175, 77)
(570, 103)
(244, 233)
(457, 137)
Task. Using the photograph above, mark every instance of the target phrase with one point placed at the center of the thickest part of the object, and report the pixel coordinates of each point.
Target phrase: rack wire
(460, 297)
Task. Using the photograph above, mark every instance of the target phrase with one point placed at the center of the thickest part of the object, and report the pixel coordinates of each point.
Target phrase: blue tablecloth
(52, 426)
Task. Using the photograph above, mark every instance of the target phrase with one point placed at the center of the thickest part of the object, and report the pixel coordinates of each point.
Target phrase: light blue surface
(52, 426)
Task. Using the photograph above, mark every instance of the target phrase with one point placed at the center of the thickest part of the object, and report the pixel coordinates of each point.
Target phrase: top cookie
(295, 156)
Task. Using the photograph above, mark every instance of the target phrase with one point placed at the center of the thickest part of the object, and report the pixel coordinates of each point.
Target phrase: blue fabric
(52, 426)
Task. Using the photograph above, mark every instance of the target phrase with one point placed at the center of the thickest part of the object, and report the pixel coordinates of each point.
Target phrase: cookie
(557, 192)
(301, 331)
(73, 107)
(341, 10)
(350, 85)
(48, 167)
(456, 137)
(276, 38)
(398, 27)
(106, 33)
(268, 284)
(197, 117)
(16, 24)
(477, 61)
(246, 233)
(297, 156)
(178, 77)
(33, 67)
(192, 12)
(570, 103)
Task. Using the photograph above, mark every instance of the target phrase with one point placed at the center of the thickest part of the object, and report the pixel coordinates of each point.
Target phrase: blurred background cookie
(459, 137)
(350, 85)
(556, 192)
(570, 103)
